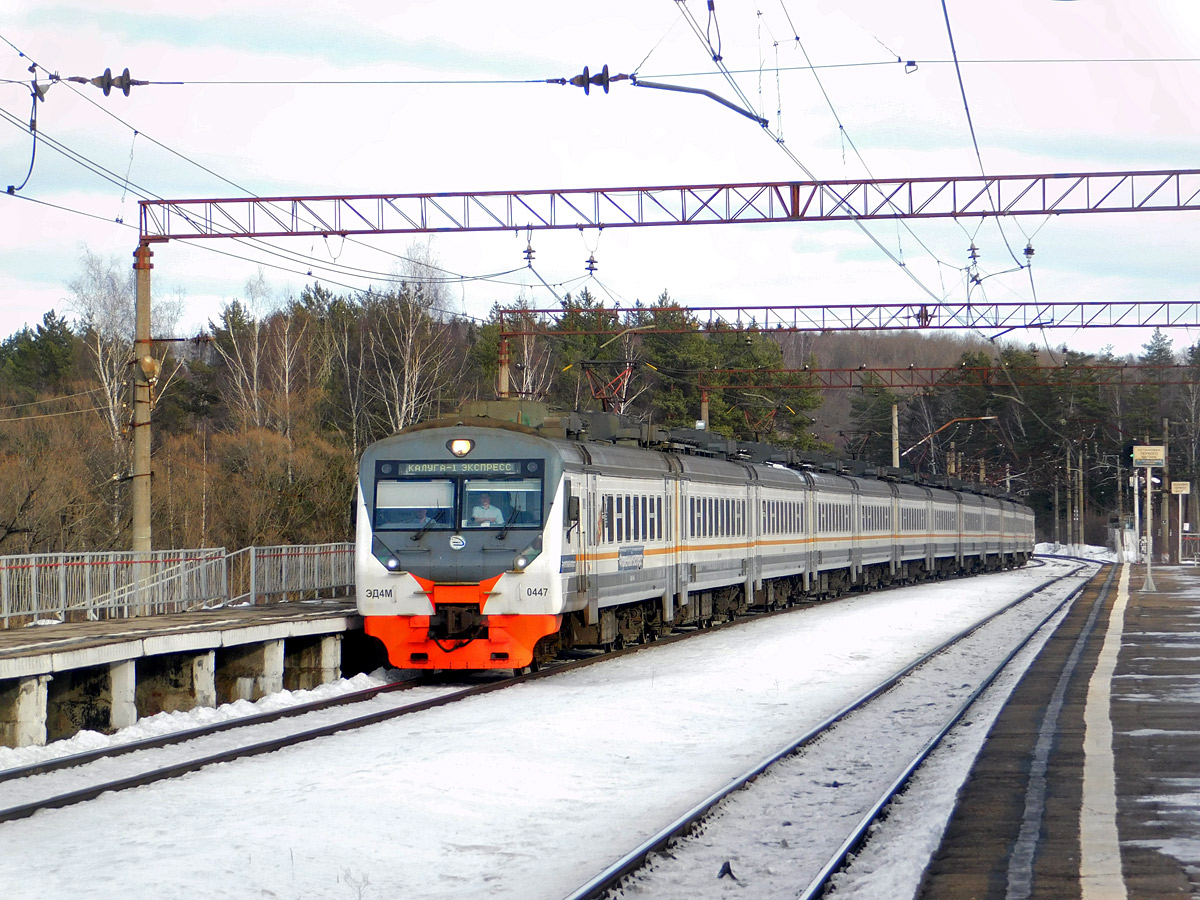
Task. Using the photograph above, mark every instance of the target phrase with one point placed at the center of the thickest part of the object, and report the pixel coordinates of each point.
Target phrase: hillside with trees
(257, 426)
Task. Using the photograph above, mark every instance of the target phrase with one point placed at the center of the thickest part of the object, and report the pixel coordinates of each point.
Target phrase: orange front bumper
(508, 645)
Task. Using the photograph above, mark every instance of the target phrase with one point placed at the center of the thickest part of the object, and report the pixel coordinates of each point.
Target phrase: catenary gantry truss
(994, 319)
(920, 378)
(710, 204)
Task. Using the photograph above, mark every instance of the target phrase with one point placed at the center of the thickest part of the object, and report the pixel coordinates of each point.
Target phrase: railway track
(74, 779)
(752, 830)
(68, 780)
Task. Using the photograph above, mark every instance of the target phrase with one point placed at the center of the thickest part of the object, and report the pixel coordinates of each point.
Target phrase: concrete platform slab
(1013, 836)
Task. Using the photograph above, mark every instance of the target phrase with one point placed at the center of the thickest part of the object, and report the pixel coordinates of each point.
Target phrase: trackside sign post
(1180, 489)
(1148, 457)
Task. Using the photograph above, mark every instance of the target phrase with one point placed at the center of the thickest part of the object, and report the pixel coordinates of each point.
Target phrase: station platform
(56, 680)
(1088, 785)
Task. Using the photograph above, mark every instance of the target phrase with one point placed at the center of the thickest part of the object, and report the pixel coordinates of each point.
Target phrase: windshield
(414, 504)
(493, 502)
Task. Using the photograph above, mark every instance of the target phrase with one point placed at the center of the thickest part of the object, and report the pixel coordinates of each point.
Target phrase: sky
(519, 794)
(313, 98)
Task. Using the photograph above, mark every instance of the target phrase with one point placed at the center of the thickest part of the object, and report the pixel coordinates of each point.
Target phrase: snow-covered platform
(1089, 783)
(58, 679)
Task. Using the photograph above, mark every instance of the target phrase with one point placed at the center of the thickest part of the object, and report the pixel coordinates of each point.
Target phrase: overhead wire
(50, 400)
(146, 195)
(795, 159)
(845, 135)
(255, 244)
(971, 126)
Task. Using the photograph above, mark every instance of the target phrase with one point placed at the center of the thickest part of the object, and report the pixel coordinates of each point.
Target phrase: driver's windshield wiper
(436, 517)
(507, 522)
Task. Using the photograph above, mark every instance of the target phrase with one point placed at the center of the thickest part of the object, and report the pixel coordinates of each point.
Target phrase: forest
(258, 422)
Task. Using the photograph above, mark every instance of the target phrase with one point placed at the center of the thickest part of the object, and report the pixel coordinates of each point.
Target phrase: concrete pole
(503, 387)
(1166, 481)
(1137, 515)
(1148, 584)
(1070, 492)
(1179, 530)
(142, 348)
(704, 408)
(895, 437)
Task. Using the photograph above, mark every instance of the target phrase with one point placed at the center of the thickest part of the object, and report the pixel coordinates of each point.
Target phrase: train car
(485, 543)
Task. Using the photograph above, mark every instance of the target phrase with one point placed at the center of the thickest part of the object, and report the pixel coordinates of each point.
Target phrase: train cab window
(494, 503)
(414, 504)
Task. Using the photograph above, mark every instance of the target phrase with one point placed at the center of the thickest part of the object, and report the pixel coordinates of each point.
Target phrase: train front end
(458, 556)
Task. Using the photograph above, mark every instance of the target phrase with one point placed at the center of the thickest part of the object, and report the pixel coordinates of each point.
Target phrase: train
(509, 533)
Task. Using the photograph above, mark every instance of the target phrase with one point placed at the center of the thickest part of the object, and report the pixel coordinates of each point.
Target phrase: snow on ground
(521, 793)
(170, 722)
(1083, 551)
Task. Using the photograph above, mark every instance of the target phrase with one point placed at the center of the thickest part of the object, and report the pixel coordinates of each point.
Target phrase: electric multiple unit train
(483, 543)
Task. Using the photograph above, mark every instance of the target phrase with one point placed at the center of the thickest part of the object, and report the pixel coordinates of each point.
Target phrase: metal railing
(61, 587)
(293, 572)
(1190, 550)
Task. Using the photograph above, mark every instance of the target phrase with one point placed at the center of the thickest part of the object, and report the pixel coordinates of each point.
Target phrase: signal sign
(1149, 456)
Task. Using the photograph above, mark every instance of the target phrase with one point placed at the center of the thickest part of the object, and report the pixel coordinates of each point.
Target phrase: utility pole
(1166, 512)
(895, 437)
(143, 375)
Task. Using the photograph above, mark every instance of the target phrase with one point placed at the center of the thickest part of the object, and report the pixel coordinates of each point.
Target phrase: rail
(61, 587)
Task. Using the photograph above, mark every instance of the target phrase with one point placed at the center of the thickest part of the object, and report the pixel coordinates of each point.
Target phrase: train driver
(484, 513)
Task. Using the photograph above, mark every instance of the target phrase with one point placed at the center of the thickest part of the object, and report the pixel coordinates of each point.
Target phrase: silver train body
(588, 543)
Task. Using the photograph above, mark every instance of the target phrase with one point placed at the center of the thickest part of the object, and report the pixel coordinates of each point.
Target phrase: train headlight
(392, 564)
(460, 446)
(528, 555)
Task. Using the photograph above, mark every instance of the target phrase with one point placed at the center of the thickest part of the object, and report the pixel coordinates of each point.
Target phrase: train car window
(495, 502)
(621, 519)
(636, 519)
(647, 530)
(606, 516)
(659, 502)
(691, 516)
(409, 504)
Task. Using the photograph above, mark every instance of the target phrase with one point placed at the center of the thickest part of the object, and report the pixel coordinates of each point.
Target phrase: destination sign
(434, 468)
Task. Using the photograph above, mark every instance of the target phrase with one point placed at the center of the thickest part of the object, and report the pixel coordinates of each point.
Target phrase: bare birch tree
(241, 348)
